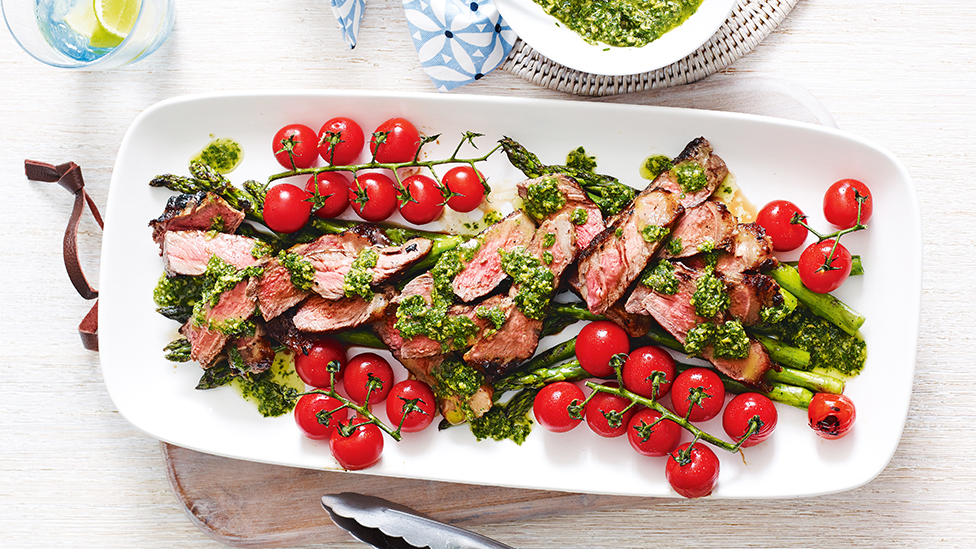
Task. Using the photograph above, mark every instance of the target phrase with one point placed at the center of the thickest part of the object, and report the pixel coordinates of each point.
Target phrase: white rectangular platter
(770, 159)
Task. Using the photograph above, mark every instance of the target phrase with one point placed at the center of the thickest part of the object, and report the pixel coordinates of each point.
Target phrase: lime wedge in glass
(105, 23)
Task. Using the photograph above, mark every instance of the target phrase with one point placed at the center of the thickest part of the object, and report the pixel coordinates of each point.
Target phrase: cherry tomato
(399, 397)
(421, 200)
(605, 413)
(640, 366)
(831, 416)
(373, 196)
(363, 368)
(396, 140)
(701, 381)
(652, 439)
(741, 410)
(295, 146)
(775, 219)
(312, 367)
(333, 193)
(466, 189)
(359, 449)
(812, 261)
(692, 470)
(340, 141)
(286, 208)
(597, 343)
(308, 422)
(551, 406)
(840, 203)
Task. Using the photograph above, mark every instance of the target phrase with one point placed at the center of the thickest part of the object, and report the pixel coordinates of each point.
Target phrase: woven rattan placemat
(749, 23)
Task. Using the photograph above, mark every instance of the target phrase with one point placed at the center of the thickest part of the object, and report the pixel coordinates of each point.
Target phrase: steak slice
(710, 224)
(188, 252)
(496, 351)
(616, 257)
(276, 292)
(203, 211)
(484, 272)
(750, 250)
(750, 369)
(317, 314)
(698, 158)
(255, 353)
(576, 198)
(208, 338)
(749, 293)
(332, 257)
(674, 313)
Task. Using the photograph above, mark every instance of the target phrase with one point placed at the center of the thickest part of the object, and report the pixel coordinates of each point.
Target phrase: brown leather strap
(69, 176)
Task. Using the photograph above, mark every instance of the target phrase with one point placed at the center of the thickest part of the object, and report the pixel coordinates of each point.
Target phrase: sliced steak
(276, 292)
(202, 211)
(749, 293)
(554, 244)
(698, 165)
(484, 272)
(576, 198)
(496, 351)
(750, 369)
(282, 329)
(317, 314)
(332, 258)
(254, 352)
(208, 338)
(616, 257)
(674, 313)
(751, 250)
(188, 252)
(710, 224)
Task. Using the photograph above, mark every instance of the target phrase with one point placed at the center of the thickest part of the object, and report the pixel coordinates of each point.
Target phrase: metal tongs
(389, 525)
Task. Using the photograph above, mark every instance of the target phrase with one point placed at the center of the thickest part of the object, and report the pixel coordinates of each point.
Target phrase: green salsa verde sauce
(222, 154)
(622, 23)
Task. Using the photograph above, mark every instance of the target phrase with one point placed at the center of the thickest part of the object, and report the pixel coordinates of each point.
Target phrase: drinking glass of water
(89, 34)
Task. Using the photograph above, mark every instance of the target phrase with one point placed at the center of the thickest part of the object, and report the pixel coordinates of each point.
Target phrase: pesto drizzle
(690, 177)
(543, 198)
(359, 279)
(300, 270)
(534, 281)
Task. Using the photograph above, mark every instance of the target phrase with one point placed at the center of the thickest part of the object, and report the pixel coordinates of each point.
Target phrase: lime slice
(81, 19)
(115, 19)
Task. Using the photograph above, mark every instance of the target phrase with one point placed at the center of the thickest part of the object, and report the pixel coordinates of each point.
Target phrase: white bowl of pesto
(597, 25)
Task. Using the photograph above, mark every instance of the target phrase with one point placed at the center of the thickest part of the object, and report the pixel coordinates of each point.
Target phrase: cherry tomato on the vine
(840, 203)
(692, 384)
(421, 200)
(333, 193)
(359, 449)
(401, 395)
(312, 367)
(640, 367)
(597, 343)
(286, 208)
(306, 410)
(650, 437)
(340, 141)
(466, 189)
(396, 140)
(831, 416)
(360, 371)
(373, 196)
(692, 470)
(295, 146)
(551, 406)
(813, 272)
(741, 410)
(605, 413)
(776, 220)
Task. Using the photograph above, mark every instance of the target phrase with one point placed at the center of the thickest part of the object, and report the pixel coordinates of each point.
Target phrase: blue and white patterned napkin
(458, 41)
(349, 13)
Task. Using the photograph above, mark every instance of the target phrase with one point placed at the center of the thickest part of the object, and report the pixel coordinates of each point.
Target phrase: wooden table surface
(74, 473)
